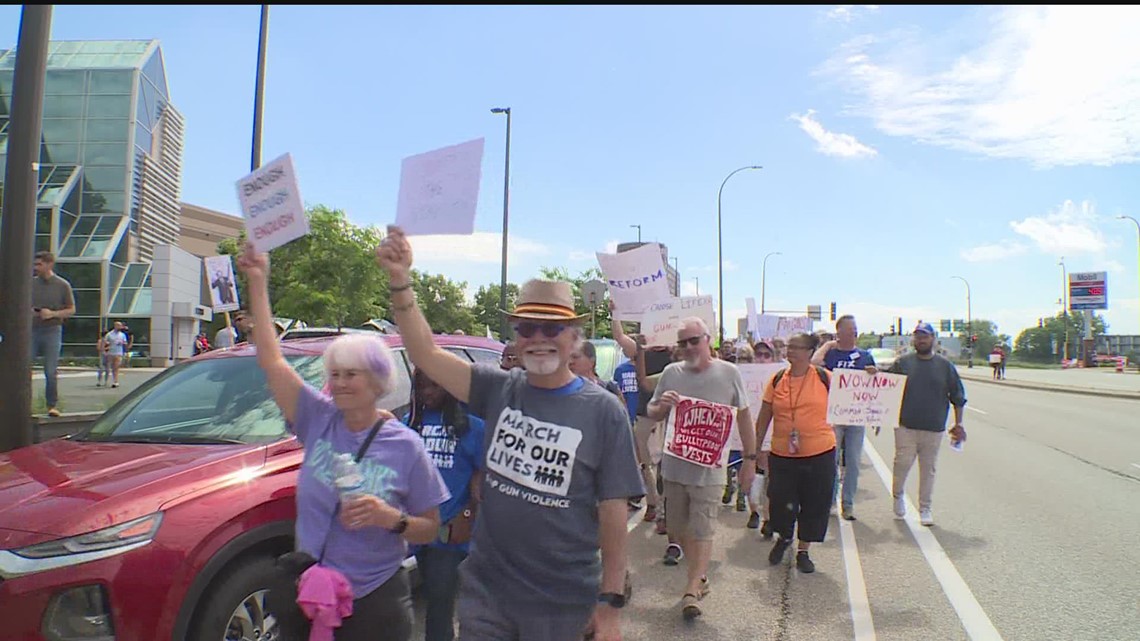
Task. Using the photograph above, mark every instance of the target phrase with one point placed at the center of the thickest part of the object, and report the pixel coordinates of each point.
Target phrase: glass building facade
(109, 178)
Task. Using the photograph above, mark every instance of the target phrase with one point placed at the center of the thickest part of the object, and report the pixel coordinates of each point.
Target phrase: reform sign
(1088, 290)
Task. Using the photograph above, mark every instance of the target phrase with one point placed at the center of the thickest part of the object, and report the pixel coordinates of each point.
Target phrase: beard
(924, 351)
(540, 365)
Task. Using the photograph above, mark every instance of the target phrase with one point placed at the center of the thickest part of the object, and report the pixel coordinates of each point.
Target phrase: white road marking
(970, 407)
(856, 587)
(970, 613)
(1136, 465)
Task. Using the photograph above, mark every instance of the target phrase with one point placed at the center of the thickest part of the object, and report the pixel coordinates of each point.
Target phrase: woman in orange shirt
(802, 462)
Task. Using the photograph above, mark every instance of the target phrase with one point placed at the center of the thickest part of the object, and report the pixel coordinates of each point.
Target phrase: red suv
(163, 519)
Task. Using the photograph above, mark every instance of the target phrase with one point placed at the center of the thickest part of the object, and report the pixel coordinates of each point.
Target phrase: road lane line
(856, 586)
(982, 412)
(970, 613)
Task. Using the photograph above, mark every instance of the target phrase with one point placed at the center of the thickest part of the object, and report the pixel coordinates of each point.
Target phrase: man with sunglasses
(692, 491)
(559, 470)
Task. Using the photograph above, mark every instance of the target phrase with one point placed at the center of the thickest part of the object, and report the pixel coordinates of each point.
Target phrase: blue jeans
(439, 568)
(849, 439)
(46, 343)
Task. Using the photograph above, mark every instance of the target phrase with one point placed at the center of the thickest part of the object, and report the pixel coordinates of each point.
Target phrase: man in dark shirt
(932, 386)
(52, 303)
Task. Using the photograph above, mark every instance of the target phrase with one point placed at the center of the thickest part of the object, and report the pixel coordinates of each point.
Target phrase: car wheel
(235, 608)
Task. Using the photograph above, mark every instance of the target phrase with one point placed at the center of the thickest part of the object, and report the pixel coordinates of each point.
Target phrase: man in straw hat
(559, 469)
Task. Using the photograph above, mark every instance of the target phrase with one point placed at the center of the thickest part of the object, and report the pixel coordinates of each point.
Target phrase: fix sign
(1088, 290)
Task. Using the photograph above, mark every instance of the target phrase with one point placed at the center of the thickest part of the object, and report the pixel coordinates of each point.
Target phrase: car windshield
(880, 354)
(217, 400)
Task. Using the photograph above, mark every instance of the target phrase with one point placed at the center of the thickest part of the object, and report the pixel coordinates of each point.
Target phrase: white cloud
(988, 253)
(1069, 230)
(1114, 267)
(1053, 85)
(847, 12)
(830, 143)
(480, 247)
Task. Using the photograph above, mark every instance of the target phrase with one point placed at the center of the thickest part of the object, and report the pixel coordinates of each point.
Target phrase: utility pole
(18, 226)
(259, 90)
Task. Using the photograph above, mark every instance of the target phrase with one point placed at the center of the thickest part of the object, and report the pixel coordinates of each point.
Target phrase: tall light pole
(259, 90)
(638, 232)
(18, 226)
(969, 324)
(504, 328)
(1137, 223)
(764, 278)
(720, 251)
(1065, 306)
(677, 280)
(697, 280)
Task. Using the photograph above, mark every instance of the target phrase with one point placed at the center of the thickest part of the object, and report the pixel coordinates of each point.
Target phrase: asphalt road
(1035, 538)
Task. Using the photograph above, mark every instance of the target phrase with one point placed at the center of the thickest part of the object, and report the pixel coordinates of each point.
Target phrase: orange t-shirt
(800, 401)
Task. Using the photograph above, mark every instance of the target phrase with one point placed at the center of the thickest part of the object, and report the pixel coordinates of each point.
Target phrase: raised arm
(284, 382)
(451, 372)
(628, 345)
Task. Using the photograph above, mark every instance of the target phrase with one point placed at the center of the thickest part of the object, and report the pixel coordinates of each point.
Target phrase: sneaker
(900, 507)
(114, 384)
(740, 503)
(927, 517)
(634, 505)
(776, 556)
(650, 514)
(804, 563)
(53, 412)
(766, 530)
(662, 530)
(848, 513)
(673, 554)
(753, 521)
(726, 498)
(690, 607)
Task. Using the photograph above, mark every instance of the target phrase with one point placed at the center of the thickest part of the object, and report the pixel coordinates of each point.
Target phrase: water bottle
(349, 479)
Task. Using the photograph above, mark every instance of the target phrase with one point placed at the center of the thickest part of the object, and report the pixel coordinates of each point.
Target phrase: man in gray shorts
(693, 491)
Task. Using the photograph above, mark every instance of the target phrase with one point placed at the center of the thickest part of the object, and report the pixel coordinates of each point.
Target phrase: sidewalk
(1096, 382)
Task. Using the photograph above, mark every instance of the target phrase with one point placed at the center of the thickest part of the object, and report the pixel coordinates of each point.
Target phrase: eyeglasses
(800, 347)
(764, 356)
(549, 330)
(690, 342)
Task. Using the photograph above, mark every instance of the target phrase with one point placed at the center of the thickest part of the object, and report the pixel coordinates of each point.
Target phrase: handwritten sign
(223, 286)
(271, 203)
(789, 326)
(859, 398)
(439, 190)
(697, 431)
(756, 378)
(661, 320)
(767, 327)
(636, 279)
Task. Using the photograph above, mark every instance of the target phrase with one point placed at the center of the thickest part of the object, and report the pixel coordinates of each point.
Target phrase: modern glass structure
(110, 178)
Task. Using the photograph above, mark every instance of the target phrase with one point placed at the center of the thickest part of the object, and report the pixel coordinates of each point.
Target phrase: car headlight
(140, 530)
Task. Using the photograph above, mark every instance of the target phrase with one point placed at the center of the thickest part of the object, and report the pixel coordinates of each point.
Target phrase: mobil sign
(1088, 290)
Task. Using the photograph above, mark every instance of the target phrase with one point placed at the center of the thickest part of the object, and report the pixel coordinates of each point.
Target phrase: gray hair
(695, 320)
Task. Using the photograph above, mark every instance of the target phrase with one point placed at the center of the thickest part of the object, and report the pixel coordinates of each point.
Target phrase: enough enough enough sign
(859, 398)
(697, 431)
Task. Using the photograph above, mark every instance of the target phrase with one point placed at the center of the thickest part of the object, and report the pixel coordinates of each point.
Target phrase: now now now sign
(859, 398)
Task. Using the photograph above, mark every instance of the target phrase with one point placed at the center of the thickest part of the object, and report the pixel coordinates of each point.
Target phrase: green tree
(987, 334)
(486, 307)
(869, 341)
(1076, 325)
(601, 318)
(1034, 345)
(444, 304)
(328, 277)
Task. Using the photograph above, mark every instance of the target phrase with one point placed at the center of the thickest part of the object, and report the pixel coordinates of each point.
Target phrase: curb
(1042, 387)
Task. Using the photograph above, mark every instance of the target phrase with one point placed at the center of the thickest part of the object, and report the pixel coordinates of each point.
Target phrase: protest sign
(439, 190)
(271, 203)
(223, 286)
(662, 319)
(767, 327)
(697, 431)
(756, 378)
(789, 326)
(636, 279)
(859, 398)
(753, 318)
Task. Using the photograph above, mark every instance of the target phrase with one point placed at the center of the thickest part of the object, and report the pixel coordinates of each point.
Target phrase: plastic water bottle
(756, 492)
(349, 479)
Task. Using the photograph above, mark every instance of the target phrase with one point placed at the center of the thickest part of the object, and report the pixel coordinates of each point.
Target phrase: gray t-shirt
(550, 457)
(932, 386)
(53, 293)
(720, 383)
(224, 338)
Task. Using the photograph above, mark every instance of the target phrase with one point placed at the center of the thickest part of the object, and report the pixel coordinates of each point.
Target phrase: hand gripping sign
(698, 431)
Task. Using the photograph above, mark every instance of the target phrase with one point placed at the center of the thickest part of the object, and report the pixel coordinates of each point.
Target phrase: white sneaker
(900, 507)
(926, 517)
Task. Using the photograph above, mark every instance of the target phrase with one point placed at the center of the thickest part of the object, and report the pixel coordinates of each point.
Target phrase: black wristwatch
(612, 599)
(402, 524)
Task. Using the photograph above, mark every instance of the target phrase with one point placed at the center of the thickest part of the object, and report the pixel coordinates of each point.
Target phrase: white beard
(540, 365)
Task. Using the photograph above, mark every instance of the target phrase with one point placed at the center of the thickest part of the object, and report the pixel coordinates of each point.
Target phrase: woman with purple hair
(366, 488)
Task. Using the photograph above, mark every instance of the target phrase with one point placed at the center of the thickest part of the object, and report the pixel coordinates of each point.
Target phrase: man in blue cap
(932, 386)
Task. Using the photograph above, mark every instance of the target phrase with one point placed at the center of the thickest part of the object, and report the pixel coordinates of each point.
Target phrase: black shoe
(804, 563)
(740, 502)
(766, 530)
(726, 498)
(776, 556)
(753, 521)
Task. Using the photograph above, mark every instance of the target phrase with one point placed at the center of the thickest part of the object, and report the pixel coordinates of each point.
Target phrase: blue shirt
(848, 359)
(626, 377)
(456, 460)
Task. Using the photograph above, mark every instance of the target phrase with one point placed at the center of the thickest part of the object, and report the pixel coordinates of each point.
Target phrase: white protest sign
(859, 398)
(636, 279)
(753, 319)
(271, 203)
(661, 320)
(767, 326)
(698, 431)
(789, 326)
(439, 190)
(223, 286)
(756, 378)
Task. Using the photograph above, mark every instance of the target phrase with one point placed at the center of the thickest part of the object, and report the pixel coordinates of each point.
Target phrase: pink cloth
(325, 596)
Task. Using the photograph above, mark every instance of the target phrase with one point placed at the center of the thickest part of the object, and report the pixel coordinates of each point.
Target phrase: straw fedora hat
(545, 300)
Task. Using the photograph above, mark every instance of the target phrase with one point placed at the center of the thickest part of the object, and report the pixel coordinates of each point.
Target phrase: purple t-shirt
(396, 468)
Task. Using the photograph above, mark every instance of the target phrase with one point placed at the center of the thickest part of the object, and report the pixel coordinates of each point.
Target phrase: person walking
(115, 343)
(53, 302)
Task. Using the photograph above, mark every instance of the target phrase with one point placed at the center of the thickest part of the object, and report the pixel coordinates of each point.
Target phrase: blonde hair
(365, 353)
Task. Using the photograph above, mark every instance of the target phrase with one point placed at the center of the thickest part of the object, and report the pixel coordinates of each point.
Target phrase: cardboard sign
(859, 398)
(271, 203)
(223, 285)
(661, 320)
(439, 190)
(636, 279)
(789, 326)
(756, 378)
(698, 431)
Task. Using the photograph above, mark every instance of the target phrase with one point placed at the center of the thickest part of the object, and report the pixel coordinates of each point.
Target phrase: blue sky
(901, 146)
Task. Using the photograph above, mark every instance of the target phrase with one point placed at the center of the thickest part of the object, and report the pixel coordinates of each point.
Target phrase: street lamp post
(764, 278)
(638, 233)
(1065, 307)
(1137, 223)
(676, 279)
(969, 324)
(259, 90)
(697, 281)
(719, 253)
(504, 328)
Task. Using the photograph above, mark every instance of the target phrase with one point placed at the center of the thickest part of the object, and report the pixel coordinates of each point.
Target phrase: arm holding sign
(628, 345)
(452, 373)
(663, 398)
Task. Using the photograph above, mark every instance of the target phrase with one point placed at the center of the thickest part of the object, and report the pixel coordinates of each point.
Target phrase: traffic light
(974, 339)
(833, 312)
(1040, 323)
(892, 329)
(899, 325)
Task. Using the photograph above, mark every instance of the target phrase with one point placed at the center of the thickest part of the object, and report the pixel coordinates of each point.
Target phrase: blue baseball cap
(924, 328)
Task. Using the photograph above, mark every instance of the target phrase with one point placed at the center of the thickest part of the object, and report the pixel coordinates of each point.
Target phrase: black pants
(800, 491)
(385, 613)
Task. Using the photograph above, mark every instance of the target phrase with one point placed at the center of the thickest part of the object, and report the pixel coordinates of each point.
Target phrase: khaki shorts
(691, 511)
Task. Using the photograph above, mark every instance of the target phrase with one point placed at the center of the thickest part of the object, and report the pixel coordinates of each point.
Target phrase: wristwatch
(612, 599)
(402, 524)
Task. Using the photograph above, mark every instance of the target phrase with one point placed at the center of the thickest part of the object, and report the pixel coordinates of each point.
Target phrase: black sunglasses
(549, 330)
(691, 342)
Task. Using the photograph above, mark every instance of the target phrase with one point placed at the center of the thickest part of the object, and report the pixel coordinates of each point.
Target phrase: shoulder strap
(823, 377)
(368, 440)
(778, 377)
